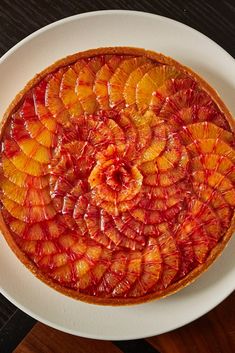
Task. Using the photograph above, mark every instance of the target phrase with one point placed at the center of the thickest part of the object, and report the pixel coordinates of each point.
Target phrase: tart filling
(117, 176)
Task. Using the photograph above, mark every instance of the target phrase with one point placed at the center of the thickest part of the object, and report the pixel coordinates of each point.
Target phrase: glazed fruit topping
(117, 175)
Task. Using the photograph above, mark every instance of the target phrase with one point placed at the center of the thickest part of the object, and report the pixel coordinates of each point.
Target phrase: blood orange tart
(117, 176)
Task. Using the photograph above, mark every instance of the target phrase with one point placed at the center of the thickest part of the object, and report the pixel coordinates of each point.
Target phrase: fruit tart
(117, 176)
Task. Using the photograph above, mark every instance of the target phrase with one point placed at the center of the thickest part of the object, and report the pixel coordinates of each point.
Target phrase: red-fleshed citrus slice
(150, 270)
(135, 76)
(119, 78)
(35, 107)
(85, 83)
(169, 88)
(150, 82)
(216, 162)
(209, 145)
(170, 260)
(214, 199)
(103, 76)
(204, 130)
(53, 101)
(185, 99)
(68, 88)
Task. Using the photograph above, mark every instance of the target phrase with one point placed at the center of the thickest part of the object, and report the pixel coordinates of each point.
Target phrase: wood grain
(213, 333)
(6, 312)
(14, 326)
(43, 339)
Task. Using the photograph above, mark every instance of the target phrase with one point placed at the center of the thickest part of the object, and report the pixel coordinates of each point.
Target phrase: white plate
(92, 30)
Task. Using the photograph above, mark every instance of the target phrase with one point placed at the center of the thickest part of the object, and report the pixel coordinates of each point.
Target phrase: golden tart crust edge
(215, 252)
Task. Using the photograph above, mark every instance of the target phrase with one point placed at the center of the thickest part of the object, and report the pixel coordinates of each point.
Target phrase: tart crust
(214, 253)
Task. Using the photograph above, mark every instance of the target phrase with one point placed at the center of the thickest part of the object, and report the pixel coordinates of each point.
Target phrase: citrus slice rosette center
(114, 183)
(117, 176)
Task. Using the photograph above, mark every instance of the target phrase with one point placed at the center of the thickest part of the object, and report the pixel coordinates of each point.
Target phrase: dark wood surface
(215, 332)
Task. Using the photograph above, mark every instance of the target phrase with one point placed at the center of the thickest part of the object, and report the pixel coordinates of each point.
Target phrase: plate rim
(53, 25)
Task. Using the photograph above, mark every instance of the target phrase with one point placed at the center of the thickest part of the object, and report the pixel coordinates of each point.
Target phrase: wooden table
(214, 332)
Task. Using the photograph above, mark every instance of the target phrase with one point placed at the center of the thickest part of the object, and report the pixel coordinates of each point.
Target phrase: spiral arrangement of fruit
(117, 175)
